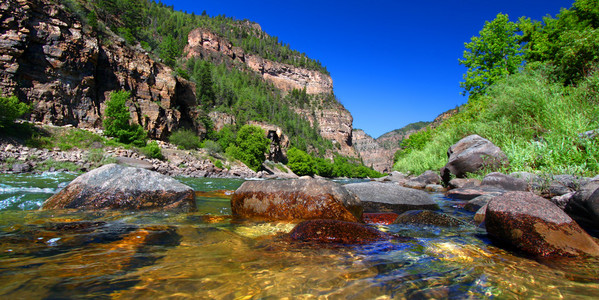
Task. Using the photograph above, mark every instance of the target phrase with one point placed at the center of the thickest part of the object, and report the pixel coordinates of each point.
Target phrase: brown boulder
(338, 232)
(427, 217)
(505, 182)
(385, 218)
(119, 187)
(536, 226)
(295, 199)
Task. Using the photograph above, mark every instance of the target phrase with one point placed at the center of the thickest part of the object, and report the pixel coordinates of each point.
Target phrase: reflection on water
(205, 255)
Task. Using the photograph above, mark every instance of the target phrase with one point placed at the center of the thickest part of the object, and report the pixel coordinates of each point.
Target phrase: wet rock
(478, 202)
(379, 218)
(536, 226)
(378, 197)
(411, 184)
(471, 154)
(427, 217)
(118, 187)
(338, 232)
(481, 213)
(504, 182)
(473, 192)
(295, 199)
(458, 183)
(583, 206)
(435, 188)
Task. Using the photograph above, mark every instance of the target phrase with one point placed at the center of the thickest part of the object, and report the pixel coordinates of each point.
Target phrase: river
(206, 255)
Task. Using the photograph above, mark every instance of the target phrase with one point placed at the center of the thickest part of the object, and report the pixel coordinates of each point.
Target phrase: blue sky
(392, 62)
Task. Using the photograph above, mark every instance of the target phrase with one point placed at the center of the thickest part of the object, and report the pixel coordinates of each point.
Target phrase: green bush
(152, 150)
(250, 146)
(300, 162)
(10, 109)
(185, 139)
(116, 121)
(212, 147)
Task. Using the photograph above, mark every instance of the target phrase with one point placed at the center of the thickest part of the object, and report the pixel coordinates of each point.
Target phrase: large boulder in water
(583, 206)
(338, 232)
(470, 155)
(295, 199)
(378, 196)
(536, 226)
(119, 187)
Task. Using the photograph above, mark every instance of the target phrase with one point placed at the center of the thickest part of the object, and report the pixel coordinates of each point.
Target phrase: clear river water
(207, 255)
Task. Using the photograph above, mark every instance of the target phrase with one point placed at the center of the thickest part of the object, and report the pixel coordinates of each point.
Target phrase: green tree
(10, 109)
(169, 50)
(300, 162)
(205, 87)
(250, 146)
(492, 55)
(116, 121)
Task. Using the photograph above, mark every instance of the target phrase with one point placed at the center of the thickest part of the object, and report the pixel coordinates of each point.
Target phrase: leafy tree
(10, 109)
(116, 121)
(250, 146)
(205, 85)
(492, 55)
(300, 162)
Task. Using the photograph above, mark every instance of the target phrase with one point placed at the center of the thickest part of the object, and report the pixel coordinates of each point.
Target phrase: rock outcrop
(201, 42)
(372, 154)
(51, 60)
(295, 199)
(118, 187)
(536, 226)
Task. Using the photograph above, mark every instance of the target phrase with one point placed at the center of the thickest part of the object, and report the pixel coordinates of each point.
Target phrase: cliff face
(372, 153)
(51, 60)
(202, 42)
(334, 122)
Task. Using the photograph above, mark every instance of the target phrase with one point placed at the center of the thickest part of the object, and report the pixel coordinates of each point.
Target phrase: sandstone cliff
(202, 42)
(372, 153)
(48, 58)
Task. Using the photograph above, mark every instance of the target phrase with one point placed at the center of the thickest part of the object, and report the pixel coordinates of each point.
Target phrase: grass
(534, 121)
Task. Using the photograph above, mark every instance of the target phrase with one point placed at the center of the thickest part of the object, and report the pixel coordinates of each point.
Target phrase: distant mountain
(391, 140)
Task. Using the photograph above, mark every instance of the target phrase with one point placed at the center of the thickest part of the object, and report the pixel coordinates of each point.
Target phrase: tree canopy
(492, 55)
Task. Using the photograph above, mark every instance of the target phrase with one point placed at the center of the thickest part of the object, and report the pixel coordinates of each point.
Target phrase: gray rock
(377, 197)
(478, 202)
(136, 163)
(505, 182)
(457, 183)
(428, 177)
(471, 154)
(119, 187)
(584, 205)
(471, 193)
(21, 168)
(534, 181)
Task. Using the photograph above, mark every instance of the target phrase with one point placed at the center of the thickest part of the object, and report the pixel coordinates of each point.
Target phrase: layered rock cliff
(48, 58)
(333, 120)
(372, 153)
(201, 42)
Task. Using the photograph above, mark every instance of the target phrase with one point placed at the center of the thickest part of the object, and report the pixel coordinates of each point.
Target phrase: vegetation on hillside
(536, 114)
(302, 163)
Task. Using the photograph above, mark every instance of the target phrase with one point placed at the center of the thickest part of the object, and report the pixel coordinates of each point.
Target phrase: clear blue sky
(392, 62)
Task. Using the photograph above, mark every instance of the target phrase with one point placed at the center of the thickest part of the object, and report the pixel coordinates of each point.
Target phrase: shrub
(300, 162)
(212, 147)
(250, 146)
(10, 109)
(185, 139)
(116, 121)
(152, 150)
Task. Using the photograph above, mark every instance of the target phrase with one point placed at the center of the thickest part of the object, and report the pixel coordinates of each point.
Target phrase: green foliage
(116, 121)
(152, 150)
(250, 146)
(226, 136)
(492, 55)
(185, 139)
(302, 163)
(212, 147)
(169, 50)
(205, 88)
(10, 109)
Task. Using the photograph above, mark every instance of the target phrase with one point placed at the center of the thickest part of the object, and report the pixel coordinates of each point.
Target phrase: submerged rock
(295, 199)
(386, 218)
(335, 231)
(536, 226)
(427, 217)
(119, 187)
(377, 197)
(470, 155)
